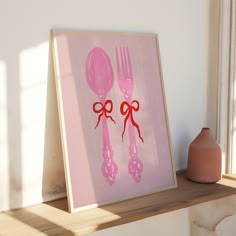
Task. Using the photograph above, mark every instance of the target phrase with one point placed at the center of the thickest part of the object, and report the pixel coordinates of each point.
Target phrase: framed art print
(113, 119)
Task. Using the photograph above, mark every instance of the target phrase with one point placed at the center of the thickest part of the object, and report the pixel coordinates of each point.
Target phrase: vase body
(204, 158)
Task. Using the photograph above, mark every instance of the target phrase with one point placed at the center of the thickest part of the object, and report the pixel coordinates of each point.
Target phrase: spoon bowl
(99, 73)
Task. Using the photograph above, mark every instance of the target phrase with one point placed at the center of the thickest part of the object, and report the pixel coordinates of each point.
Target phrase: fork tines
(124, 66)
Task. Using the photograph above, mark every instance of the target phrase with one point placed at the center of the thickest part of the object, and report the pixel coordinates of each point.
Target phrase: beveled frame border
(62, 124)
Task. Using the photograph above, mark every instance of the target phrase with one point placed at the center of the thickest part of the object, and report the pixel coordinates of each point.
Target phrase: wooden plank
(53, 218)
(230, 176)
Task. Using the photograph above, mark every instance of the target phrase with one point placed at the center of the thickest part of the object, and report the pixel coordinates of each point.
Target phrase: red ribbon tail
(125, 121)
(110, 118)
(139, 134)
(138, 129)
(123, 135)
(99, 118)
(123, 132)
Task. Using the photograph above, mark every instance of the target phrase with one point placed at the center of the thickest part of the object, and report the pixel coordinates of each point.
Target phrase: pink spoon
(100, 78)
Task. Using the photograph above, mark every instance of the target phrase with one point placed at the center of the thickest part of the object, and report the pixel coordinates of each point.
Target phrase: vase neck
(205, 132)
(205, 138)
(205, 129)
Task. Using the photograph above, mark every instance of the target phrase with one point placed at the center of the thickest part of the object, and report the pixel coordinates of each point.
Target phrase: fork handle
(109, 167)
(135, 165)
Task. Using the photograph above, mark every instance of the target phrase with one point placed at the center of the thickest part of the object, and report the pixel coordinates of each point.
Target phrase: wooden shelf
(53, 219)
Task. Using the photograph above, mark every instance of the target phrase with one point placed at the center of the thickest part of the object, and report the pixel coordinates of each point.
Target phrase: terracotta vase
(204, 158)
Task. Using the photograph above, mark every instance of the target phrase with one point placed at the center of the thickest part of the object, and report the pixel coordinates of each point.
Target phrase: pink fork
(126, 85)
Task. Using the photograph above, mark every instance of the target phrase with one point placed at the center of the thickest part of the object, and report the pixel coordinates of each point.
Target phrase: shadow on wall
(14, 130)
(32, 161)
(31, 166)
(53, 172)
(30, 149)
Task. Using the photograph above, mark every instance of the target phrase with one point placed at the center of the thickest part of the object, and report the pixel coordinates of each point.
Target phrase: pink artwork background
(83, 143)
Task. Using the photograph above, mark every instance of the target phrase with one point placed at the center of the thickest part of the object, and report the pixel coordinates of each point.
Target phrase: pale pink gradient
(84, 143)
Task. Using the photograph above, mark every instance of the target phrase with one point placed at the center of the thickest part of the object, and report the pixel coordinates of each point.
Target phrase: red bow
(127, 109)
(103, 109)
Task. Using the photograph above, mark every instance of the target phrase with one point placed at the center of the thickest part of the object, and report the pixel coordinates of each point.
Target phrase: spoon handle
(135, 165)
(109, 167)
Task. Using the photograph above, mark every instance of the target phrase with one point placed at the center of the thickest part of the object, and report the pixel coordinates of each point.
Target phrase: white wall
(30, 150)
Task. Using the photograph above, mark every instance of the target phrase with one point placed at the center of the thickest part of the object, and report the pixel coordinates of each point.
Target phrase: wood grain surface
(53, 218)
